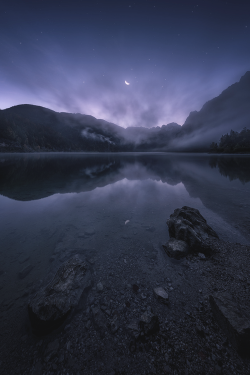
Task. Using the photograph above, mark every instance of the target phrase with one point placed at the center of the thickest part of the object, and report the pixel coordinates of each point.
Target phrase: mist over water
(81, 202)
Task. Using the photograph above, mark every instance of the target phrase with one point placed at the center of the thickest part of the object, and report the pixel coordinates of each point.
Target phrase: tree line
(233, 143)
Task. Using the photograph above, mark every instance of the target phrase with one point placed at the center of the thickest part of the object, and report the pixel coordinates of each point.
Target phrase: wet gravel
(107, 333)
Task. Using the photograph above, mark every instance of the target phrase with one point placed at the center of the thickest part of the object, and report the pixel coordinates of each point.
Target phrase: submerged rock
(188, 225)
(176, 248)
(233, 319)
(52, 305)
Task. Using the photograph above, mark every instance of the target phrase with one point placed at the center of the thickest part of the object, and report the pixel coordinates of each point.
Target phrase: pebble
(161, 294)
(99, 287)
(201, 256)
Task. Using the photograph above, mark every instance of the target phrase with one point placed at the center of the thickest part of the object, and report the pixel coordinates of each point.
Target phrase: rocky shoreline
(125, 324)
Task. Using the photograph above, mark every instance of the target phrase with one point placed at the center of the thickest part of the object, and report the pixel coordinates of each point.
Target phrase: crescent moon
(127, 83)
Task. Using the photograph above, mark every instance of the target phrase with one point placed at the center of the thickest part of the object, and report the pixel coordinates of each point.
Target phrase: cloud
(50, 77)
(93, 172)
(86, 133)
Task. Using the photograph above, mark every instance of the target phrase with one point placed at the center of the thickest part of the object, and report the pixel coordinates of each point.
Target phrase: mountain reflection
(233, 167)
(36, 176)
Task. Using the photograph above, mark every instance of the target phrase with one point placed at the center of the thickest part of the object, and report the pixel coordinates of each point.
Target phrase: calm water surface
(55, 205)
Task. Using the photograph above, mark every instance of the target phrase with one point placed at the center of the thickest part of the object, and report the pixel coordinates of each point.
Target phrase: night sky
(74, 56)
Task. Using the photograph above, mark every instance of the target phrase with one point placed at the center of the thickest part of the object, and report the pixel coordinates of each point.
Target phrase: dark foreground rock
(234, 319)
(188, 225)
(52, 305)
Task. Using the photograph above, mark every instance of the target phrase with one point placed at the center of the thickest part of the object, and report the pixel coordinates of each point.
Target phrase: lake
(108, 208)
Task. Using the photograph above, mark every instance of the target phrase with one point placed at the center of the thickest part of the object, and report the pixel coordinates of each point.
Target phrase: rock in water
(188, 225)
(233, 319)
(176, 248)
(52, 305)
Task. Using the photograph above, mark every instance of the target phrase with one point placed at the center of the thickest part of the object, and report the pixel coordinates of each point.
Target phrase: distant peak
(28, 107)
(172, 125)
(246, 77)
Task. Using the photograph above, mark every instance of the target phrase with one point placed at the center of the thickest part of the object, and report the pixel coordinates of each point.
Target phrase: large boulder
(188, 225)
(53, 304)
(234, 319)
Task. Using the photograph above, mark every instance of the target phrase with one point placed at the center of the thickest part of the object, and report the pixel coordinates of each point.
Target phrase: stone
(61, 358)
(99, 287)
(52, 304)
(201, 256)
(176, 248)
(135, 288)
(68, 345)
(134, 330)
(53, 346)
(133, 326)
(234, 319)
(149, 324)
(99, 321)
(114, 324)
(25, 271)
(188, 225)
(37, 369)
(161, 294)
(200, 331)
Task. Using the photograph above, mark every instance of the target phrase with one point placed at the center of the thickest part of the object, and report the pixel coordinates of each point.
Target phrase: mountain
(33, 128)
(228, 111)
(29, 128)
(153, 139)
